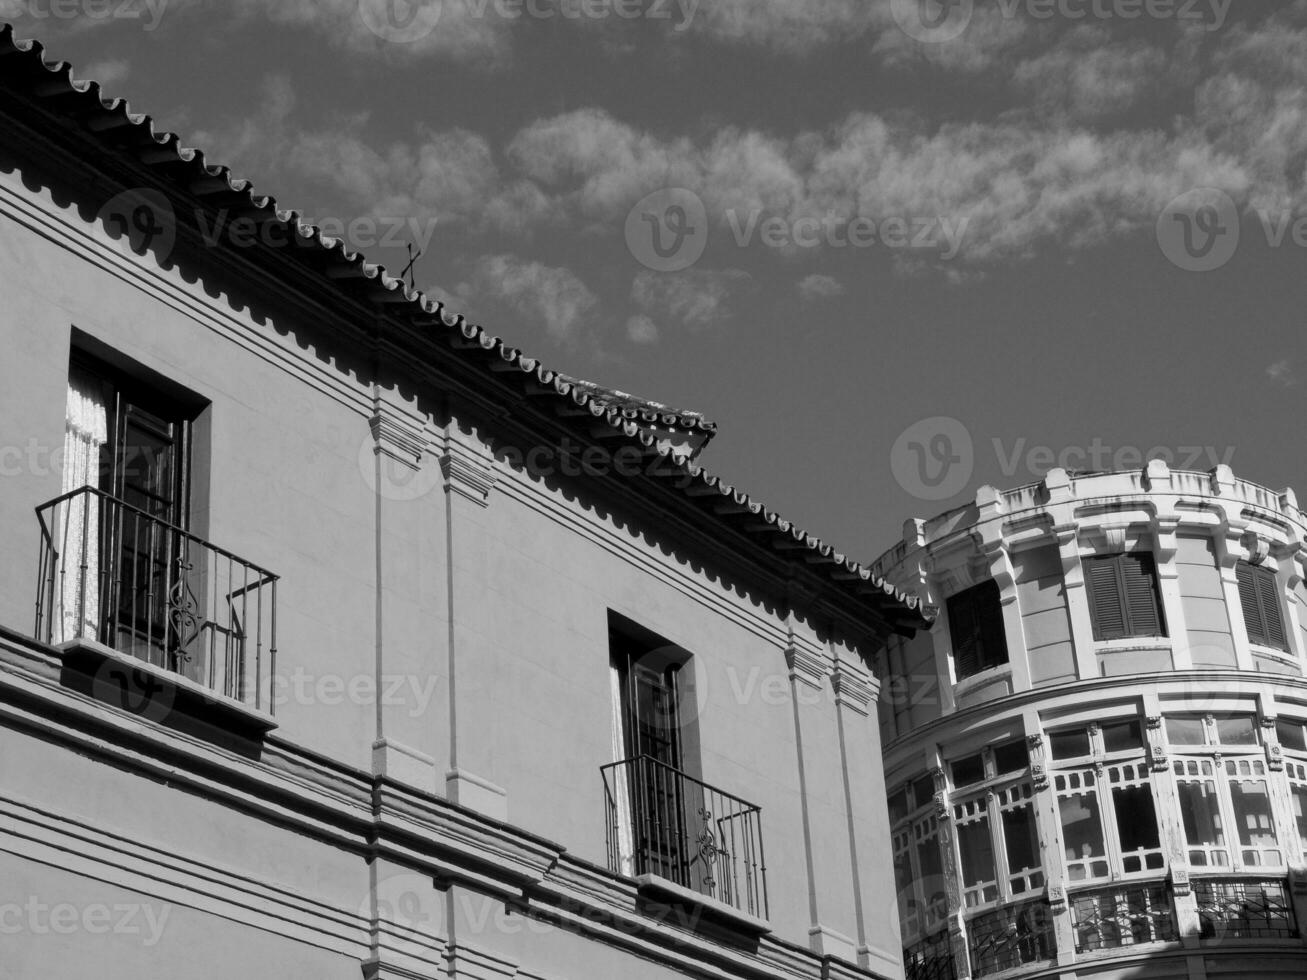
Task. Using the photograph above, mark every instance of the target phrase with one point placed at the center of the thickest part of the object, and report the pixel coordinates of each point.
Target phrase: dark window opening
(975, 620)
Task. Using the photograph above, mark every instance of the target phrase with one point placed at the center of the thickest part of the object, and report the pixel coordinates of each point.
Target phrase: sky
(896, 249)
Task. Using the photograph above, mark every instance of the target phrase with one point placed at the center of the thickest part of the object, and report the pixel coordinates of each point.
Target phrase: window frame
(918, 827)
(1230, 763)
(1107, 771)
(1259, 587)
(986, 629)
(987, 801)
(1117, 566)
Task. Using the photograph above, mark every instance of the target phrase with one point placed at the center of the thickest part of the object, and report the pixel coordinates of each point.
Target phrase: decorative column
(878, 947)
(397, 465)
(469, 475)
(832, 919)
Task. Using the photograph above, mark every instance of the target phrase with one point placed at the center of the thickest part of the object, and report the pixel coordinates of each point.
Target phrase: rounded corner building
(1097, 754)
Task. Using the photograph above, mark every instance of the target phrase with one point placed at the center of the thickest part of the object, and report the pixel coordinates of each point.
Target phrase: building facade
(1097, 755)
(339, 639)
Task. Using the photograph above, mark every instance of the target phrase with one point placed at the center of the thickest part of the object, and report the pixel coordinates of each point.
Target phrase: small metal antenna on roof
(408, 269)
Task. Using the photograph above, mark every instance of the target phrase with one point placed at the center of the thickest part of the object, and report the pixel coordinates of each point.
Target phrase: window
(918, 861)
(975, 622)
(1298, 794)
(1123, 594)
(1224, 792)
(1105, 801)
(998, 846)
(126, 482)
(1259, 596)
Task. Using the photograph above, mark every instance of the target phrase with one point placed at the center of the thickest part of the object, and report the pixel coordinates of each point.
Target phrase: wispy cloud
(817, 286)
(1282, 373)
(696, 298)
(640, 329)
(553, 296)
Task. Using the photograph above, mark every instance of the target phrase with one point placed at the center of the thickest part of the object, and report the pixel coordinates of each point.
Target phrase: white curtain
(621, 791)
(77, 582)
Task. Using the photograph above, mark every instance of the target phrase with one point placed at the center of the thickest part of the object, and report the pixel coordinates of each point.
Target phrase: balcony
(1010, 937)
(666, 828)
(930, 959)
(123, 586)
(1244, 909)
(1112, 918)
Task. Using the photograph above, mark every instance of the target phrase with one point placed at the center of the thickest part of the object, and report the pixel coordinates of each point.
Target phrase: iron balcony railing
(1009, 937)
(113, 573)
(663, 822)
(930, 959)
(1126, 915)
(1244, 909)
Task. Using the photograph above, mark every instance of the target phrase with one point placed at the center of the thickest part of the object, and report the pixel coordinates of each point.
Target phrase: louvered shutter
(1107, 605)
(1139, 574)
(1266, 586)
(964, 630)
(1246, 575)
(993, 639)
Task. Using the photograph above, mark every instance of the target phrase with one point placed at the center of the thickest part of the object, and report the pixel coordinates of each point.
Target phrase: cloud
(1281, 373)
(108, 72)
(1086, 76)
(552, 295)
(640, 329)
(397, 29)
(696, 298)
(789, 26)
(817, 286)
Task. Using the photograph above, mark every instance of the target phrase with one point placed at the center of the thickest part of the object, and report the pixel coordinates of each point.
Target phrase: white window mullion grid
(1296, 772)
(1023, 881)
(1129, 774)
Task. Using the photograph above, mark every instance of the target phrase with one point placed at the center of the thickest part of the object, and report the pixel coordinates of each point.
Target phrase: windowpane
(1299, 794)
(923, 791)
(1185, 730)
(1136, 818)
(1202, 823)
(975, 618)
(1020, 838)
(977, 852)
(1291, 735)
(1236, 730)
(1122, 736)
(969, 770)
(1012, 757)
(898, 806)
(1254, 823)
(1082, 835)
(1070, 744)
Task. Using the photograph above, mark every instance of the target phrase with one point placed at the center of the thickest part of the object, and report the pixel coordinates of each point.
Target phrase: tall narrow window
(127, 449)
(649, 740)
(975, 622)
(1124, 598)
(1259, 596)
